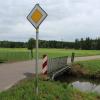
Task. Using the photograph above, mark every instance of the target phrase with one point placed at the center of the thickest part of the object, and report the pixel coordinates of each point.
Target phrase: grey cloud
(66, 19)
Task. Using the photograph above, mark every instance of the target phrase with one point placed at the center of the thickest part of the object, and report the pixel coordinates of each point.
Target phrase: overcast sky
(67, 19)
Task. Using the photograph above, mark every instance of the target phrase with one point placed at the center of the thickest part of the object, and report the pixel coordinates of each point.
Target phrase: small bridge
(57, 66)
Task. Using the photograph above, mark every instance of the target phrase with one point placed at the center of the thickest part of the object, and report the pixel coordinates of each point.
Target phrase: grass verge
(48, 90)
(89, 68)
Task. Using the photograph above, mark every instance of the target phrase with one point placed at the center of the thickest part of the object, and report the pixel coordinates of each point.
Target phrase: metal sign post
(36, 17)
(36, 68)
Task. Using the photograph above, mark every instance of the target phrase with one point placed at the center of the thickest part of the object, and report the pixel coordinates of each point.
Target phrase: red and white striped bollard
(44, 65)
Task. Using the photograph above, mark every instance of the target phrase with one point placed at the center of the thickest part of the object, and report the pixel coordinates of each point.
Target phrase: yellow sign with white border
(36, 16)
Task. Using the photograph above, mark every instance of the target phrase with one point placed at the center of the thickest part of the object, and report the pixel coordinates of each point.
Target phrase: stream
(85, 85)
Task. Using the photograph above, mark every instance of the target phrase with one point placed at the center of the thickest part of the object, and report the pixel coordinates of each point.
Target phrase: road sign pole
(36, 17)
(36, 67)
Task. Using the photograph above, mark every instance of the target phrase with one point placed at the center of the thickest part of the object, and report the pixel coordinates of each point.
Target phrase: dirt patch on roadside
(78, 70)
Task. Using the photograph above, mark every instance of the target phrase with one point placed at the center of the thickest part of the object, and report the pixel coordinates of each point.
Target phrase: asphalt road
(10, 73)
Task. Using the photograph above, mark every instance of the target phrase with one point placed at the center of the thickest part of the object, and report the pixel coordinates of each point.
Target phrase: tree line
(11, 44)
(42, 44)
(55, 44)
(83, 44)
(87, 44)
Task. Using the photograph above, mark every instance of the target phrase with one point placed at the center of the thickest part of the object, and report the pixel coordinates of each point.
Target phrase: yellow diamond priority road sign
(36, 16)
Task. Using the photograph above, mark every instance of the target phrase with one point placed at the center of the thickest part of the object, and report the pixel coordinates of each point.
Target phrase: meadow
(19, 54)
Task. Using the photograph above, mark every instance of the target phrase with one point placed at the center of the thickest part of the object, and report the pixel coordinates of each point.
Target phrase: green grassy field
(17, 54)
(48, 90)
(14, 54)
(91, 66)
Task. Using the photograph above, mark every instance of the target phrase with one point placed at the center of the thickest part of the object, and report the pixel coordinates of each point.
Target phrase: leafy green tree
(31, 45)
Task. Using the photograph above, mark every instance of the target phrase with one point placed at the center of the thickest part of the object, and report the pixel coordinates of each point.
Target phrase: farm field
(19, 54)
(8, 54)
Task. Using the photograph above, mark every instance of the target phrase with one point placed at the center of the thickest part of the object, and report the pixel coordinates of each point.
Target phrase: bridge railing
(55, 64)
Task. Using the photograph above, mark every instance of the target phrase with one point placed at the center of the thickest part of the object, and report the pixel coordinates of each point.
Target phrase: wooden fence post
(72, 57)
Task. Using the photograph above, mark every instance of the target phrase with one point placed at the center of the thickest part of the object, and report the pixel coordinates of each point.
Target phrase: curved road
(10, 73)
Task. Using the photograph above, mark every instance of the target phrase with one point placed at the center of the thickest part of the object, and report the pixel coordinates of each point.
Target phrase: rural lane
(10, 73)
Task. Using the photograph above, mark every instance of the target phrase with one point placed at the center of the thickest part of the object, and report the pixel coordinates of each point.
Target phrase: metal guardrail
(59, 72)
(55, 64)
